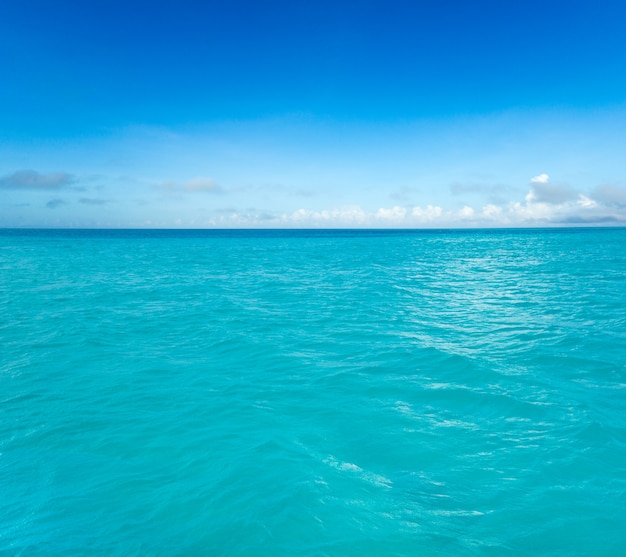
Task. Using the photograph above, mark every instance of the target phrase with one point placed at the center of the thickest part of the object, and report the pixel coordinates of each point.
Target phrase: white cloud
(531, 212)
(541, 179)
(586, 202)
(581, 209)
(466, 212)
(345, 216)
(564, 207)
(491, 212)
(584, 210)
(429, 214)
(394, 214)
(349, 216)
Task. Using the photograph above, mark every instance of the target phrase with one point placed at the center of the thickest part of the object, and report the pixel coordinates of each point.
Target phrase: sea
(313, 392)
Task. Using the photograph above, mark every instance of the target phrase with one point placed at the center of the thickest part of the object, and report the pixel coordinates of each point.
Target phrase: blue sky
(312, 114)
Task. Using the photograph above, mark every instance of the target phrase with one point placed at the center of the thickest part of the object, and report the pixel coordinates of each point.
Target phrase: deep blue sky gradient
(69, 67)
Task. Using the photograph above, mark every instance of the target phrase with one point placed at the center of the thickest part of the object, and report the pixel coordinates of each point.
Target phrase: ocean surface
(313, 393)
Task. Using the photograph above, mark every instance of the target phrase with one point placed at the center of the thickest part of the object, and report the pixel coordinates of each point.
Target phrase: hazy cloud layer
(544, 203)
(548, 192)
(196, 185)
(582, 211)
(610, 195)
(31, 180)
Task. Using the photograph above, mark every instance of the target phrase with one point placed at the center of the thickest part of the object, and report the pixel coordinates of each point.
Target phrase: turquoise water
(313, 393)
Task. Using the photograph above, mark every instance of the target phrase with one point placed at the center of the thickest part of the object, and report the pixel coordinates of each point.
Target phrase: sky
(312, 114)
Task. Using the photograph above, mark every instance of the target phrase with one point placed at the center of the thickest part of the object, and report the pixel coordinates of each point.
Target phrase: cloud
(394, 214)
(613, 196)
(429, 214)
(582, 210)
(355, 216)
(544, 191)
(31, 180)
(541, 179)
(492, 212)
(586, 202)
(54, 203)
(344, 216)
(572, 209)
(593, 219)
(196, 185)
(466, 212)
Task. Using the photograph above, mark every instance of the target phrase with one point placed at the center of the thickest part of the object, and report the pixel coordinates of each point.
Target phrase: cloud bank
(471, 205)
(545, 204)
